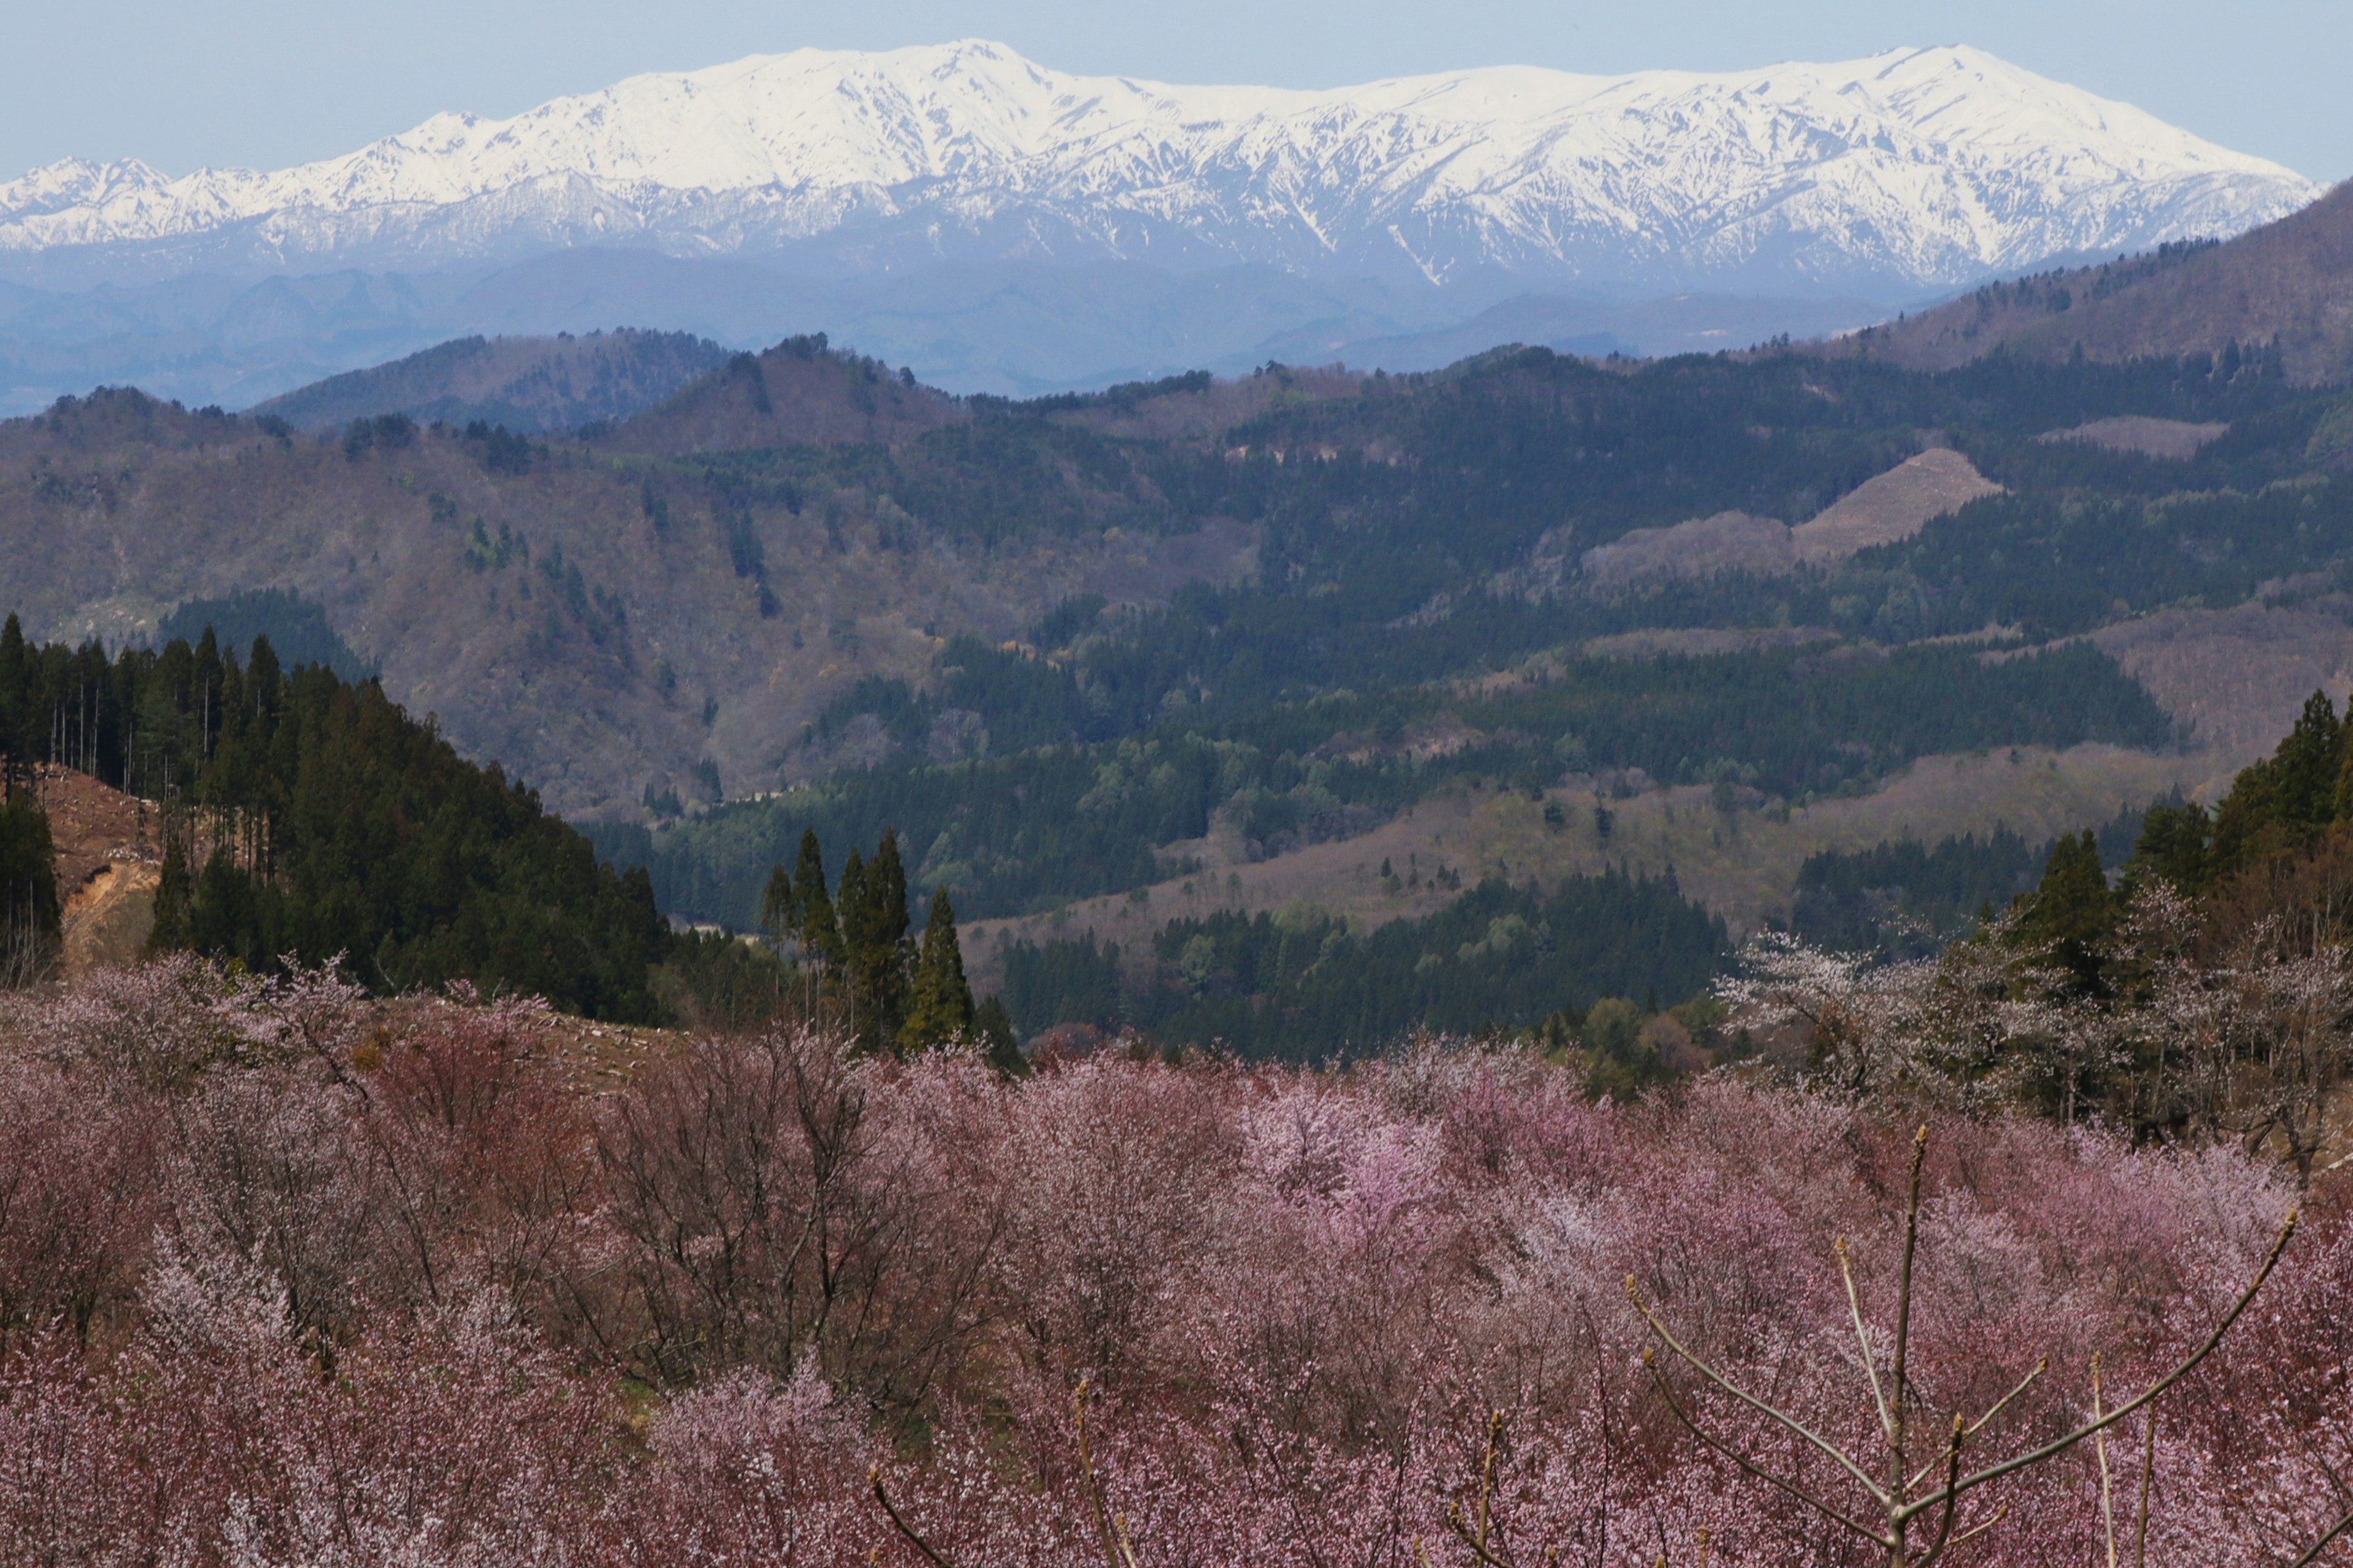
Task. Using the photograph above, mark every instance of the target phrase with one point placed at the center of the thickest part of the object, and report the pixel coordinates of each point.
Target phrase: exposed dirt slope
(107, 868)
(2142, 433)
(1884, 508)
(1891, 506)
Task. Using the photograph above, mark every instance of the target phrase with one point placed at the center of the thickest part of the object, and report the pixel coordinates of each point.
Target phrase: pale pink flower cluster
(290, 1278)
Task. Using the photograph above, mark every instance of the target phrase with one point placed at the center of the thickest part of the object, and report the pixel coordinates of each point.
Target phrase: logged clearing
(1741, 864)
(2141, 433)
(108, 867)
(1881, 510)
(2238, 677)
(1727, 542)
(108, 918)
(1891, 506)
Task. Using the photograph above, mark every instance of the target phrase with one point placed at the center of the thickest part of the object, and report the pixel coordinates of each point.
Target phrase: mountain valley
(1338, 648)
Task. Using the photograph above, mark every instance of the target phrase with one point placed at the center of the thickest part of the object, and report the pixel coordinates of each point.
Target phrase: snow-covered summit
(1916, 168)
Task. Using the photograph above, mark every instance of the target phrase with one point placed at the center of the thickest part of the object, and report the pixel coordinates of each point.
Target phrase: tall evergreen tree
(873, 909)
(993, 1024)
(939, 1002)
(778, 906)
(2175, 846)
(2288, 798)
(29, 922)
(814, 925)
(170, 931)
(2071, 911)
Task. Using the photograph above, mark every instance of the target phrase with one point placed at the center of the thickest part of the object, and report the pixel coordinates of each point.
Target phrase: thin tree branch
(1634, 1294)
(1973, 1531)
(875, 1479)
(2100, 1446)
(1861, 1338)
(1651, 1365)
(1897, 1459)
(1977, 1425)
(2061, 1445)
(1461, 1528)
(1952, 1473)
(2147, 1469)
(2333, 1531)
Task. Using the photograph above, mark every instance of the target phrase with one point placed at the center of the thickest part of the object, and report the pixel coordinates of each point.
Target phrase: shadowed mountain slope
(2288, 286)
(529, 384)
(796, 394)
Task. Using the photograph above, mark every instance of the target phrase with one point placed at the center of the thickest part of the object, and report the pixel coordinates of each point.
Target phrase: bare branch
(875, 1479)
(1634, 1294)
(1895, 1459)
(1461, 1528)
(1651, 1365)
(2147, 1469)
(1862, 1337)
(2061, 1445)
(1977, 1425)
(2344, 1523)
(2100, 1446)
(1952, 1473)
(1973, 1531)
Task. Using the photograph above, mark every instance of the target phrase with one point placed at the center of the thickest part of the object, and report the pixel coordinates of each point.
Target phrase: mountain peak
(1913, 169)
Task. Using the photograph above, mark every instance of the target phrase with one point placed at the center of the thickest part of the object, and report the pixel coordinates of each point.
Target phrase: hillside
(2286, 288)
(796, 394)
(598, 622)
(1199, 646)
(529, 384)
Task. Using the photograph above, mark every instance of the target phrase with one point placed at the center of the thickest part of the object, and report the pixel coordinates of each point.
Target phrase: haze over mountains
(1003, 227)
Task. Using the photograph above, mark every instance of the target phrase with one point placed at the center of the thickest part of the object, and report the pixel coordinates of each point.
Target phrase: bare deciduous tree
(1908, 1494)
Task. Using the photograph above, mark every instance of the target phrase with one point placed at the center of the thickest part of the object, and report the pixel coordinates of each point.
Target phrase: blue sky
(271, 82)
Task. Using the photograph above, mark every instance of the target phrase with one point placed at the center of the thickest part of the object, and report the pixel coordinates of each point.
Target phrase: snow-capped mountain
(1912, 169)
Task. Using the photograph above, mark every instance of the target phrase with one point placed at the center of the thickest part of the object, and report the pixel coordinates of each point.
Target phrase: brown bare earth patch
(2140, 433)
(1881, 510)
(110, 916)
(1664, 642)
(1727, 542)
(92, 825)
(1891, 506)
(2237, 677)
(1741, 864)
(107, 868)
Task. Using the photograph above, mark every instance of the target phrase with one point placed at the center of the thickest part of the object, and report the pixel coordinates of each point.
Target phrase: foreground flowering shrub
(290, 1278)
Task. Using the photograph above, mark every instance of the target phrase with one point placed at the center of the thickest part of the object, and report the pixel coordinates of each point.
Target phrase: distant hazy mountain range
(999, 225)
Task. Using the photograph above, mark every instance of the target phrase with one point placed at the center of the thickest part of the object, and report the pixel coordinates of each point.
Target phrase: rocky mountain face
(1914, 170)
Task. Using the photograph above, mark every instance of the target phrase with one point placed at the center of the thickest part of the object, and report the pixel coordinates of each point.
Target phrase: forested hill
(306, 816)
(2285, 287)
(1191, 649)
(529, 384)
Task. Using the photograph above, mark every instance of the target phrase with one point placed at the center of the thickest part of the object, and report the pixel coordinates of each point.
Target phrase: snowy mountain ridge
(1912, 169)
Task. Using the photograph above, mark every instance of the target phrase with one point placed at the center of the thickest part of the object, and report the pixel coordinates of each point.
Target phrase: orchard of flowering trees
(290, 1275)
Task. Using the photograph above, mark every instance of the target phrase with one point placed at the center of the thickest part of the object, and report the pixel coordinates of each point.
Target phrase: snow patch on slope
(1927, 167)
